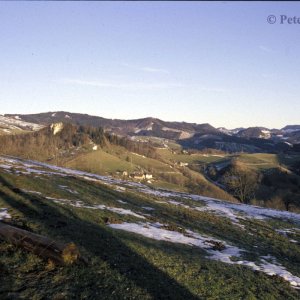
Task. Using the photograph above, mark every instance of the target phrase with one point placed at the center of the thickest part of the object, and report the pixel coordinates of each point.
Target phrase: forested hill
(58, 138)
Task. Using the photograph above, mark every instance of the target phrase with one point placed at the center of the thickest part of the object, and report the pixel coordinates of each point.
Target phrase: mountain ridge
(47, 117)
(193, 135)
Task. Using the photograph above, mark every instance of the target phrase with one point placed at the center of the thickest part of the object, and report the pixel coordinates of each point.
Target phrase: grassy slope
(124, 265)
(114, 159)
(265, 161)
(259, 161)
(191, 159)
(99, 162)
(273, 193)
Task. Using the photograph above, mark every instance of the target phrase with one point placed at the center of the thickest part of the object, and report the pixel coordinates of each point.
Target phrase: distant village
(143, 175)
(136, 175)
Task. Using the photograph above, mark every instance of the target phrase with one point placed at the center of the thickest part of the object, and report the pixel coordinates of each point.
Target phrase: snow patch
(80, 204)
(7, 167)
(148, 208)
(154, 231)
(66, 188)
(121, 201)
(17, 123)
(31, 192)
(4, 214)
(233, 211)
(177, 203)
(289, 144)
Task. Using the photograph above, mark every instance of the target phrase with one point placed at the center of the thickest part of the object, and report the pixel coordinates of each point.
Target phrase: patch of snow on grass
(123, 211)
(4, 214)
(17, 123)
(6, 167)
(66, 188)
(80, 204)
(233, 210)
(121, 201)
(177, 203)
(287, 231)
(222, 211)
(148, 208)
(294, 232)
(157, 193)
(154, 231)
(31, 192)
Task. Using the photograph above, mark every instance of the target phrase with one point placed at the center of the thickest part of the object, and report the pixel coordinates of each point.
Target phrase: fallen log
(57, 252)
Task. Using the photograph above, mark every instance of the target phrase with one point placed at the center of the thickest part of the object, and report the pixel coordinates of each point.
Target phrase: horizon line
(149, 117)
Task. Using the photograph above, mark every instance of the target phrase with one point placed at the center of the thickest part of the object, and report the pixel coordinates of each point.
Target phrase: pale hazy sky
(220, 62)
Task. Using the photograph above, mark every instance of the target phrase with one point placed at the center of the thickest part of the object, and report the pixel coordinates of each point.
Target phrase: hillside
(275, 178)
(142, 243)
(90, 149)
(50, 142)
(168, 165)
(14, 125)
(146, 126)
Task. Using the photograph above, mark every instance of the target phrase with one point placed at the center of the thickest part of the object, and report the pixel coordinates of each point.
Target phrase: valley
(149, 150)
(147, 212)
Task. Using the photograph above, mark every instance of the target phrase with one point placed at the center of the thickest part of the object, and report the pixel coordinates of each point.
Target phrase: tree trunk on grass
(59, 253)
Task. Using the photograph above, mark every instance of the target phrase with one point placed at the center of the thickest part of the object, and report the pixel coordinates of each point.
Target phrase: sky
(220, 62)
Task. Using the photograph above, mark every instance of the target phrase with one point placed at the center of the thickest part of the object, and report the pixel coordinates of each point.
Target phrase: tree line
(43, 144)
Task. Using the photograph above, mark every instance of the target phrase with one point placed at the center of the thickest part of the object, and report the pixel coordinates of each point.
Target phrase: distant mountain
(293, 137)
(145, 126)
(10, 125)
(199, 136)
(230, 131)
(291, 128)
(255, 132)
(232, 144)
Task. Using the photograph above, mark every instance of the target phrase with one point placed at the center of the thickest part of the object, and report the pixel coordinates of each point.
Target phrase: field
(99, 162)
(190, 158)
(114, 159)
(259, 161)
(166, 173)
(142, 243)
(264, 161)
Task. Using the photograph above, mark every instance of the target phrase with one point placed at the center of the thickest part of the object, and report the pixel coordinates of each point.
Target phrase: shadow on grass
(100, 244)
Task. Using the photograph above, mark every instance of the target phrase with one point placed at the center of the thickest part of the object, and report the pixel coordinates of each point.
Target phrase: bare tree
(241, 182)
